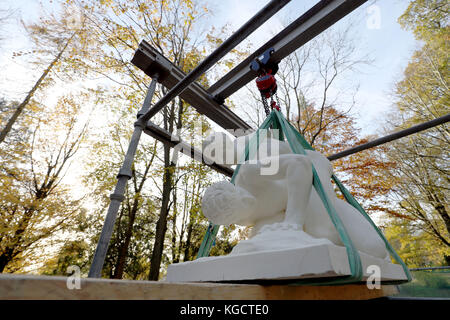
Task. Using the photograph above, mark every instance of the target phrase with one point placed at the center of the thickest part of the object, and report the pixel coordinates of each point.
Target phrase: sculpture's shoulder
(321, 162)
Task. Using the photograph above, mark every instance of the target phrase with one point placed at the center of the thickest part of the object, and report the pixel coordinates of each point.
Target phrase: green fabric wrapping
(299, 145)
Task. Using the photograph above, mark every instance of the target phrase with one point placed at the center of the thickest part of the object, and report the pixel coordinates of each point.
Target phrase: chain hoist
(266, 82)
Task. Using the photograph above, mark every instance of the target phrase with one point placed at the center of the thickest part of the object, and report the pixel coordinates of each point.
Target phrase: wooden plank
(26, 287)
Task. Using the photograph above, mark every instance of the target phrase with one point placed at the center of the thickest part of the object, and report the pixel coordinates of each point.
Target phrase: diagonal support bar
(243, 32)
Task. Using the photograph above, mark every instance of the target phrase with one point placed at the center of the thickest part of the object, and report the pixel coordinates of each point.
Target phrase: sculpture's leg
(299, 182)
(296, 170)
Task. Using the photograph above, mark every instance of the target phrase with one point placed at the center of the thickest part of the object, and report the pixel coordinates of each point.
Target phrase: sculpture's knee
(299, 170)
(250, 174)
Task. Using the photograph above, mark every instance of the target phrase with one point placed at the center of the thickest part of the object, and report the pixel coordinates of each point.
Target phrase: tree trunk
(188, 242)
(123, 251)
(440, 208)
(175, 251)
(30, 94)
(11, 251)
(5, 258)
(161, 225)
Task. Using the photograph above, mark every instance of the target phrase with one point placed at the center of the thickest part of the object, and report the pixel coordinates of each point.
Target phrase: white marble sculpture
(283, 207)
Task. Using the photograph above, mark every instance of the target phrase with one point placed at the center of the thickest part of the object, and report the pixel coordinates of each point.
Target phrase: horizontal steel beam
(243, 32)
(149, 60)
(392, 137)
(317, 19)
(167, 138)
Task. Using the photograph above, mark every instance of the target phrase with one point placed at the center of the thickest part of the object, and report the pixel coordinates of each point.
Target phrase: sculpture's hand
(223, 203)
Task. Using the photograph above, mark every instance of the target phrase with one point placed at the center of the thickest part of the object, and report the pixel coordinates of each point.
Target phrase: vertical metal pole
(118, 196)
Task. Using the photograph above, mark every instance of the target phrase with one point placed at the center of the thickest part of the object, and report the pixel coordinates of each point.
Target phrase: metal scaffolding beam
(210, 102)
(392, 137)
(149, 60)
(173, 141)
(317, 19)
(243, 32)
(118, 195)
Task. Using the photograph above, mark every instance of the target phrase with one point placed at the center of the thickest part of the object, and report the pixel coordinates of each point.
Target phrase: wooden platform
(25, 287)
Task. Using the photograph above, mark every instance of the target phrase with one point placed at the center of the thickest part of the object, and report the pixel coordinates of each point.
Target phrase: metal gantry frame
(210, 102)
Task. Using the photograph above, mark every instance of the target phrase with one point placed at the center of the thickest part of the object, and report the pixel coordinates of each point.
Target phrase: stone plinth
(325, 260)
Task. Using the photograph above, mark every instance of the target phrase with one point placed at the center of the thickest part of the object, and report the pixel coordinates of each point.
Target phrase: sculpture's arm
(222, 150)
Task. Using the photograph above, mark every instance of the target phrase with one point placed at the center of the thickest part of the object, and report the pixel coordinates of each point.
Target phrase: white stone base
(323, 260)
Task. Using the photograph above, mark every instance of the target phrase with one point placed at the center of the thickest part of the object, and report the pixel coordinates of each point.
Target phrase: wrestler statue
(281, 205)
